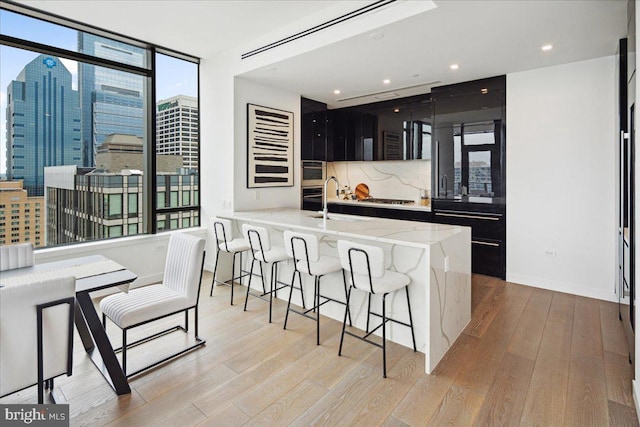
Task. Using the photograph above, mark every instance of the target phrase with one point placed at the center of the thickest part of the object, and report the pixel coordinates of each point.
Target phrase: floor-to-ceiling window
(100, 134)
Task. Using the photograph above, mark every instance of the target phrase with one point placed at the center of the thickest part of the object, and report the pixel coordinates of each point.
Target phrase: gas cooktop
(387, 201)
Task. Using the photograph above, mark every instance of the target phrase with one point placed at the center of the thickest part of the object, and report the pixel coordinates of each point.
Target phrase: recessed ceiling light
(376, 36)
(337, 91)
(386, 81)
(547, 47)
(454, 66)
(484, 90)
(396, 110)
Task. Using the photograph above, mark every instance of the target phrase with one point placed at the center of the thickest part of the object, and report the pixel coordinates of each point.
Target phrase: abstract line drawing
(269, 147)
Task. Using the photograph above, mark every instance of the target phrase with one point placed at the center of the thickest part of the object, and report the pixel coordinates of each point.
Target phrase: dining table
(93, 273)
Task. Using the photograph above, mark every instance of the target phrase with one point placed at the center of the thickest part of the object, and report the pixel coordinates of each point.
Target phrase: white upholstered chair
(304, 248)
(178, 292)
(16, 256)
(226, 243)
(366, 267)
(36, 334)
(263, 252)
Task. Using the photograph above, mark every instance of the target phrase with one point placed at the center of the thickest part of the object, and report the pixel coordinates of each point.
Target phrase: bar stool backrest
(302, 246)
(365, 260)
(222, 230)
(258, 237)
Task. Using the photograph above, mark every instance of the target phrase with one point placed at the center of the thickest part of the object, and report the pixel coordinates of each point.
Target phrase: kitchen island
(437, 257)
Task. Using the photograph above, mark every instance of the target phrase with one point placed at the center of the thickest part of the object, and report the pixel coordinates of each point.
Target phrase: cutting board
(362, 191)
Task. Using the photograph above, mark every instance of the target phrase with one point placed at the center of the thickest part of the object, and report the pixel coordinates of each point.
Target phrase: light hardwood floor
(528, 357)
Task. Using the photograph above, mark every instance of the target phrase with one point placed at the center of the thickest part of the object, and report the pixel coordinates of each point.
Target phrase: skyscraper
(112, 100)
(43, 122)
(177, 129)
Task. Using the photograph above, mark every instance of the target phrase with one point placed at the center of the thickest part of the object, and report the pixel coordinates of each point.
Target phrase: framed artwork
(269, 147)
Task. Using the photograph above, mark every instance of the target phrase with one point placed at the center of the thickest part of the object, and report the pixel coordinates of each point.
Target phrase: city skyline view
(174, 77)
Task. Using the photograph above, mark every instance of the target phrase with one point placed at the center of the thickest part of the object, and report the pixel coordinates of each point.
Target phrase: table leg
(83, 329)
(105, 358)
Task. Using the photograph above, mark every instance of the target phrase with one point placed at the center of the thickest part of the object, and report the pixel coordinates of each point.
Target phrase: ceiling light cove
(547, 47)
(454, 66)
(386, 81)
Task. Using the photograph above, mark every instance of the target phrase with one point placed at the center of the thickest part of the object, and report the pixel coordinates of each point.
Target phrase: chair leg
(104, 321)
(186, 320)
(196, 320)
(124, 352)
(301, 290)
(215, 270)
(317, 303)
(344, 323)
(264, 288)
(249, 284)
(384, 336)
(413, 336)
(286, 316)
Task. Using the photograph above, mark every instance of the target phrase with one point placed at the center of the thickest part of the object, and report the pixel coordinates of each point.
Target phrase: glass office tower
(43, 122)
(112, 100)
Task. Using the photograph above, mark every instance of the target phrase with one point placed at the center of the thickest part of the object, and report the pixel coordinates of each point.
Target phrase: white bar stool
(226, 243)
(305, 250)
(366, 265)
(263, 252)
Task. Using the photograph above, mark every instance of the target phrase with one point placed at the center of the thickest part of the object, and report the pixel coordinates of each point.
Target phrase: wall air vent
(358, 12)
(388, 94)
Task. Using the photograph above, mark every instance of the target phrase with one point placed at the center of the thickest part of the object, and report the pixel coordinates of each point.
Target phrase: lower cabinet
(487, 222)
(390, 213)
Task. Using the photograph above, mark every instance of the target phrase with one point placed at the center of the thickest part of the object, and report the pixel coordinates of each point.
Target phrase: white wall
(247, 91)
(561, 133)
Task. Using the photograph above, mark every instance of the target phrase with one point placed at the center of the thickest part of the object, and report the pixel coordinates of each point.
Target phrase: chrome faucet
(324, 195)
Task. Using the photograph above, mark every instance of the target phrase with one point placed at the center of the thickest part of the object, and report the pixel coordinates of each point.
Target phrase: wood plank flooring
(528, 357)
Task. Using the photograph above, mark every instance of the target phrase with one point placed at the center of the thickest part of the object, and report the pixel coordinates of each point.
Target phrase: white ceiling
(485, 38)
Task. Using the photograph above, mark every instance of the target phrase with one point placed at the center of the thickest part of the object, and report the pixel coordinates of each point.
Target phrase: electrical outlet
(446, 264)
(550, 252)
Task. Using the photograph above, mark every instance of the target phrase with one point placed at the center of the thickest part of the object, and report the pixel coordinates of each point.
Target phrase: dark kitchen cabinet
(488, 231)
(363, 209)
(389, 130)
(313, 130)
(469, 139)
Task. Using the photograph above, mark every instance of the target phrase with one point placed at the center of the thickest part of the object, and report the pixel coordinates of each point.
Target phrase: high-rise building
(112, 100)
(21, 216)
(177, 129)
(43, 122)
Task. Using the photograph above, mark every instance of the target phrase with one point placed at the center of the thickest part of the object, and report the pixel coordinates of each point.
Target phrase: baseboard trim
(565, 287)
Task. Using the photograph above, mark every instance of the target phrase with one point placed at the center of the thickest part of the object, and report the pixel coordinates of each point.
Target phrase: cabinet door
(319, 135)
(306, 136)
(339, 149)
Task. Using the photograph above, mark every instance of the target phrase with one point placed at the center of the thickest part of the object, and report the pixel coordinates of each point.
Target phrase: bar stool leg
(384, 336)
(233, 273)
(301, 290)
(317, 303)
(344, 323)
(368, 310)
(249, 284)
(286, 316)
(344, 280)
(264, 288)
(215, 269)
(413, 336)
(273, 270)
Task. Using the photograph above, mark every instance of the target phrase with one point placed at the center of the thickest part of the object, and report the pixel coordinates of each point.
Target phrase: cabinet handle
(490, 218)
(477, 242)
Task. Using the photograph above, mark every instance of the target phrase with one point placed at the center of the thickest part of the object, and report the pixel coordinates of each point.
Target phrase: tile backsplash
(401, 179)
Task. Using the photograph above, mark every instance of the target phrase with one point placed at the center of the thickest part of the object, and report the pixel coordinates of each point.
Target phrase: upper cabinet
(469, 139)
(314, 129)
(390, 130)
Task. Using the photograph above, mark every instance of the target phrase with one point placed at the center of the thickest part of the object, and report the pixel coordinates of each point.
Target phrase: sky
(173, 76)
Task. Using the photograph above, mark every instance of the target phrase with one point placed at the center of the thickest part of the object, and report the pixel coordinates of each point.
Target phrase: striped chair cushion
(142, 304)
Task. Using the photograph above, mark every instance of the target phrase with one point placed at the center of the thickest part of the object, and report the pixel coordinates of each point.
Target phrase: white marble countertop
(407, 233)
(412, 207)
